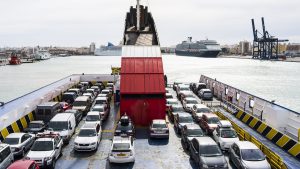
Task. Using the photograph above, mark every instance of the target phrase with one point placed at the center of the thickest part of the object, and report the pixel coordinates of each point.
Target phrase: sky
(76, 23)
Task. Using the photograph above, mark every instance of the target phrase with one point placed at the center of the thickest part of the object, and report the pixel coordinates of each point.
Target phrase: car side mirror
(56, 147)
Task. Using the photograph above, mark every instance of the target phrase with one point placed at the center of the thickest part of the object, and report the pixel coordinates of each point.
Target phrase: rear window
(158, 125)
(121, 146)
(11, 141)
(79, 103)
(101, 109)
(92, 118)
(4, 154)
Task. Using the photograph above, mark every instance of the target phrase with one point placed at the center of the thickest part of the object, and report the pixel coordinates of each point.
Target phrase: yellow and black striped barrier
(17, 126)
(274, 159)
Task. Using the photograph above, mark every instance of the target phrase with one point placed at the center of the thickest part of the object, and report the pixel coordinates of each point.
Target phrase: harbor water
(277, 81)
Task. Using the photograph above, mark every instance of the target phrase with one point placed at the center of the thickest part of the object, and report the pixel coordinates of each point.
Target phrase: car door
(98, 130)
(216, 134)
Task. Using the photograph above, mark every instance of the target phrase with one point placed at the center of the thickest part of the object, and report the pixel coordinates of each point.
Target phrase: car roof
(93, 113)
(184, 114)
(61, 117)
(21, 164)
(15, 135)
(159, 121)
(205, 141)
(120, 139)
(44, 139)
(82, 98)
(206, 90)
(89, 126)
(246, 145)
(208, 115)
(101, 98)
(192, 126)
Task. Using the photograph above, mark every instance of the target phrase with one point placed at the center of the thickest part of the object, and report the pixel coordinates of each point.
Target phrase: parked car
(88, 138)
(93, 117)
(185, 94)
(175, 109)
(47, 110)
(198, 110)
(92, 91)
(190, 131)
(86, 84)
(105, 95)
(205, 94)
(19, 143)
(188, 103)
(68, 97)
(77, 91)
(64, 124)
(102, 109)
(205, 152)
(125, 127)
(170, 103)
(100, 85)
(77, 114)
(97, 89)
(83, 104)
(196, 87)
(159, 129)
(225, 135)
(180, 120)
(46, 149)
(122, 150)
(209, 122)
(6, 156)
(182, 87)
(36, 126)
(102, 100)
(90, 95)
(246, 155)
(24, 164)
(107, 91)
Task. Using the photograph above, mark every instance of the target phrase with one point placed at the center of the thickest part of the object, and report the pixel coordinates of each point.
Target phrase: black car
(36, 126)
(68, 97)
(205, 94)
(77, 114)
(189, 132)
(182, 119)
(125, 127)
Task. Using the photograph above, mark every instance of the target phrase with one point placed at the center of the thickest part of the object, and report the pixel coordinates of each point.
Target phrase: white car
(19, 143)
(93, 117)
(225, 135)
(46, 149)
(188, 103)
(198, 110)
(88, 138)
(246, 155)
(122, 150)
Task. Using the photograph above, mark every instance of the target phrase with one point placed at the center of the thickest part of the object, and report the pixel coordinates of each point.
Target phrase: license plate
(121, 155)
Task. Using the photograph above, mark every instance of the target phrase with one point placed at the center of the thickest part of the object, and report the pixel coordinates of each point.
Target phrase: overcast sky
(80, 22)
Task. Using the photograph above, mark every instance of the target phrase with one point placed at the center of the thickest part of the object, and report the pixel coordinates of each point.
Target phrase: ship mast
(138, 15)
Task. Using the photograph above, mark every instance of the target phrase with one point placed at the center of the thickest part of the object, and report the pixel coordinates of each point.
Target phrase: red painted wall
(143, 110)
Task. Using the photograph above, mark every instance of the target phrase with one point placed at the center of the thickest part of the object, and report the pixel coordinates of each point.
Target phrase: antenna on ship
(138, 15)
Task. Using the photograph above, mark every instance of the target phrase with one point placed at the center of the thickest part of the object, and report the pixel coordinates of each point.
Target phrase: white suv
(46, 149)
(225, 135)
(88, 138)
(122, 150)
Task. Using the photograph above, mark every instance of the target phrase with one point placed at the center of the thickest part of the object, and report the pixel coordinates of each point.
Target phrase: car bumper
(159, 135)
(85, 148)
(129, 159)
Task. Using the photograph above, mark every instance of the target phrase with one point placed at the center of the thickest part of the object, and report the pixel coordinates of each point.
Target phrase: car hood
(85, 140)
(257, 164)
(63, 133)
(39, 154)
(183, 124)
(212, 125)
(213, 161)
(228, 140)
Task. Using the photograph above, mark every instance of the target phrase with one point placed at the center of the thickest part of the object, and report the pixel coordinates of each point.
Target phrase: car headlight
(93, 143)
(47, 158)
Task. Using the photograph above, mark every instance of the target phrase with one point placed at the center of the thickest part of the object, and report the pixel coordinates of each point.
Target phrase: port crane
(265, 47)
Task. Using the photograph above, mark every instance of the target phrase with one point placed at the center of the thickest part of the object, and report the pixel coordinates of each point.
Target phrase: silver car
(245, 154)
(19, 143)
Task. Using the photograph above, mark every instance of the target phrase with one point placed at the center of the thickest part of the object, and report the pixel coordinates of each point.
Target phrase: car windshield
(207, 94)
(121, 146)
(92, 118)
(79, 103)
(228, 134)
(124, 127)
(100, 109)
(194, 132)
(252, 155)
(158, 125)
(87, 133)
(58, 125)
(203, 110)
(210, 150)
(100, 101)
(186, 119)
(172, 102)
(11, 141)
(34, 125)
(42, 146)
(177, 109)
(213, 120)
(191, 102)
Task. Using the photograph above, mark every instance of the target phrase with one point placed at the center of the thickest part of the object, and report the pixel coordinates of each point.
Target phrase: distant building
(244, 48)
(92, 48)
(293, 50)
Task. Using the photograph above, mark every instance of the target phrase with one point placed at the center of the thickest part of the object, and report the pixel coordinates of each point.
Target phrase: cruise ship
(109, 50)
(42, 55)
(202, 48)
